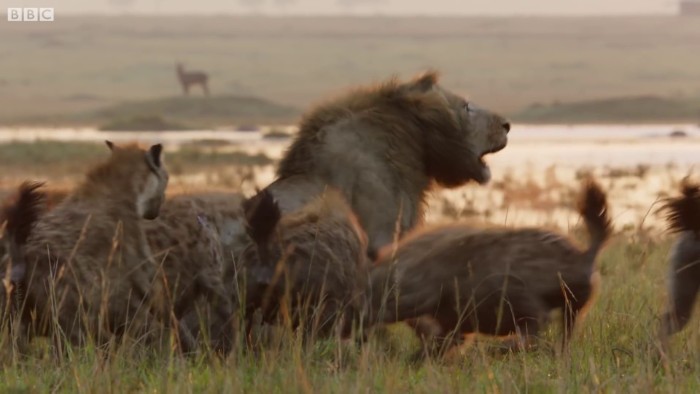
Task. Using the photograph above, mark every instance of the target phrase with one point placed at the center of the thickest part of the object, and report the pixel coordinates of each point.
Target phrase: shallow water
(600, 146)
(89, 134)
(519, 133)
(593, 145)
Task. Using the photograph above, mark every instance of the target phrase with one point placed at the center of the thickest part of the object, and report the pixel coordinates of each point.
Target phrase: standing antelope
(188, 78)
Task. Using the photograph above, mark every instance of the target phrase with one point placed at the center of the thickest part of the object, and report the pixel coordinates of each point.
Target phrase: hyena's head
(147, 176)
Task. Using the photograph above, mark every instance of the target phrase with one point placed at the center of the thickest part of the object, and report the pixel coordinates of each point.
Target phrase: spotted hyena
(84, 268)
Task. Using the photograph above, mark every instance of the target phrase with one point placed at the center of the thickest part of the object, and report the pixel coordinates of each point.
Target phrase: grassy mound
(173, 113)
(203, 111)
(639, 109)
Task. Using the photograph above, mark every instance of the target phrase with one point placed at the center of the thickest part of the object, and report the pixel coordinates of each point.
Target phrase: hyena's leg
(445, 331)
(522, 316)
(428, 331)
(222, 326)
(575, 308)
(684, 287)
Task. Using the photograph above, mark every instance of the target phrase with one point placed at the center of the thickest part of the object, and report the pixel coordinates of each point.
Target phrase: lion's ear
(424, 82)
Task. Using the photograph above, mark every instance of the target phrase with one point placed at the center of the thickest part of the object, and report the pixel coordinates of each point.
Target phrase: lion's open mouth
(490, 151)
(485, 170)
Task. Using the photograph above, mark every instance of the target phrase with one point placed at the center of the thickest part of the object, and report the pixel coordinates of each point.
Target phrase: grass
(614, 351)
(79, 65)
(194, 158)
(142, 123)
(63, 158)
(46, 154)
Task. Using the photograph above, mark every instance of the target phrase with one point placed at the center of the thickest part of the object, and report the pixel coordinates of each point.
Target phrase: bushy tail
(262, 213)
(683, 213)
(593, 207)
(21, 216)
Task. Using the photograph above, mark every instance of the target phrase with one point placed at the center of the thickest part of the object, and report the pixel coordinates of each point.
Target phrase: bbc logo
(30, 14)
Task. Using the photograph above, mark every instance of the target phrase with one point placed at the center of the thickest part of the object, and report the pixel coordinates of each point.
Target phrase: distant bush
(678, 134)
(248, 127)
(276, 134)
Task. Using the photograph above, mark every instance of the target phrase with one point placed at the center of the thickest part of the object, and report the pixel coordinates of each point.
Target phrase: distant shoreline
(521, 132)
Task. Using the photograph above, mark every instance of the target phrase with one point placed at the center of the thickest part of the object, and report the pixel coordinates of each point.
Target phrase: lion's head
(456, 152)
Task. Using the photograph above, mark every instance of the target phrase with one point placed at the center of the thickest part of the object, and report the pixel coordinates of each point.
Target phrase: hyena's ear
(154, 155)
(110, 145)
(261, 213)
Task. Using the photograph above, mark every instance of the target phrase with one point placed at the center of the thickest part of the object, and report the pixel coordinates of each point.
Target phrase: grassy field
(79, 65)
(614, 352)
(615, 349)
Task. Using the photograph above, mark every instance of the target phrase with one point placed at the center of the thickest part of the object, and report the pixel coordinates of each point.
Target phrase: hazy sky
(389, 7)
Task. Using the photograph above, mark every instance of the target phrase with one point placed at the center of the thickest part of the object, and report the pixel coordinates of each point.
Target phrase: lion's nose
(506, 125)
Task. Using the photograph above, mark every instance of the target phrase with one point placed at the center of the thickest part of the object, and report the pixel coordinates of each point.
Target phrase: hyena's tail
(21, 215)
(683, 213)
(262, 213)
(593, 207)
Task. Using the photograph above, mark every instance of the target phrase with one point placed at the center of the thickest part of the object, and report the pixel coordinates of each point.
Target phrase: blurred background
(610, 87)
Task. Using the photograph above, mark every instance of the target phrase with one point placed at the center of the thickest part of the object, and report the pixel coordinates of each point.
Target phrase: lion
(384, 147)
(495, 281)
(311, 263)
(84, 268)
(684, 276)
